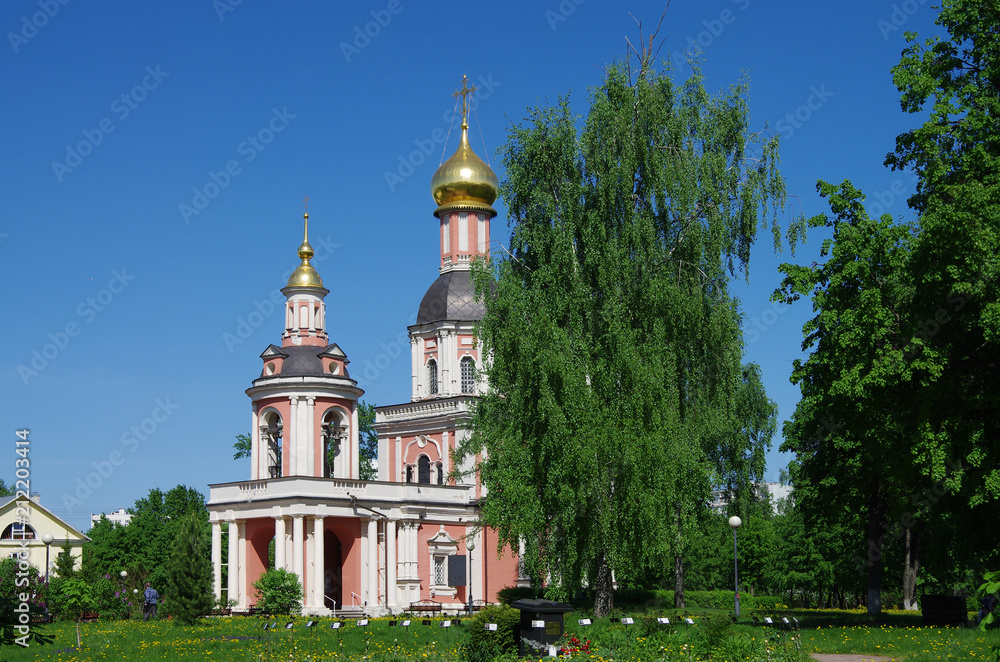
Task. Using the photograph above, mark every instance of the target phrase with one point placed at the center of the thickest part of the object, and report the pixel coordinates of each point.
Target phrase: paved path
(824, 657)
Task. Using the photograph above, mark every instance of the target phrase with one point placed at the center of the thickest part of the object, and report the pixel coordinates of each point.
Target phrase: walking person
(151, 597)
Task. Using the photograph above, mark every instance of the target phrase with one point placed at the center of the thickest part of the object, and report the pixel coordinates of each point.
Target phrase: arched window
(271, 433)
(468, 374)
(440, 474)
(17, 531)
(335, 434)
(409, 474)
(432, 377)
(424, 470)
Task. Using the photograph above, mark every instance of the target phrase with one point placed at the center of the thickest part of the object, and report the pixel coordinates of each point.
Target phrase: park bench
(425, 607)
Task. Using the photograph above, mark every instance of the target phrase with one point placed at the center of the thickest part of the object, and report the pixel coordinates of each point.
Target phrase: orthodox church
(413, 534)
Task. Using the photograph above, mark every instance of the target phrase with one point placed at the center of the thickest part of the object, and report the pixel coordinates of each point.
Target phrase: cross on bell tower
(464, 93)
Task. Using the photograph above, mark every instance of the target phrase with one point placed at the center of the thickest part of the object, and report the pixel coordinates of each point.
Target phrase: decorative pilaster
(233, 564)
(217, 560)
(372, 592)
(318, 569)
(390, 565)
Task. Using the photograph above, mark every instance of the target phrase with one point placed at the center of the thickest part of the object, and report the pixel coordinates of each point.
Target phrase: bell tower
(444, 357)
(304, 403)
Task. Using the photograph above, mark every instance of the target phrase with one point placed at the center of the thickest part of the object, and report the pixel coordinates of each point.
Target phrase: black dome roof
(450, 297)
(302, 361)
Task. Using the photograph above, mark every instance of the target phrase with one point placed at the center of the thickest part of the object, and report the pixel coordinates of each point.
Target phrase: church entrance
(333, 578)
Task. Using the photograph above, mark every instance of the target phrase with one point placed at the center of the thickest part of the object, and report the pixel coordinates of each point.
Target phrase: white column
(233, 569)
(310, 445)
(399, 460)
(279, 543)
(412, 552)
(241, 550)
(414, 368)
(255, 445)
(445, 455)
(297, 539)
(217, 560)
(390, 564)
(318, 570)
(291, 442)
(444, 361)
(301, 436)
(352, 448)
(372, 562)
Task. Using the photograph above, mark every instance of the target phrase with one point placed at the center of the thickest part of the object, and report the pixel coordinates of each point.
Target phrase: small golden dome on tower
(305, 275)
(464, 181)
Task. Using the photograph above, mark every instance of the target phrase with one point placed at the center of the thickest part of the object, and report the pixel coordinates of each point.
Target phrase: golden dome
(305, 275)
(464, 181)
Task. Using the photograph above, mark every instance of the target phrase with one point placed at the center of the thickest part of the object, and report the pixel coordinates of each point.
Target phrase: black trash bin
(541, 625)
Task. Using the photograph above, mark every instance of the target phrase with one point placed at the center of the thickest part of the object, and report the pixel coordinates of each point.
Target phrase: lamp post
(124, 574)
(47, 539)
(735, 523)
(470, 546)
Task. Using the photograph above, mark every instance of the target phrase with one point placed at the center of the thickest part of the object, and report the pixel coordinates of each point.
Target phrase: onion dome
(464, 181)
(305, 275)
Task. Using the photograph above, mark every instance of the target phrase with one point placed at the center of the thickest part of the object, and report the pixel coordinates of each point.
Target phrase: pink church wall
(259, 533)
(500, 572)
(348, 531)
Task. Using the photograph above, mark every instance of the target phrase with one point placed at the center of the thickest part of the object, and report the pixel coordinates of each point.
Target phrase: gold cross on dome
(305, 200)
(464, 93)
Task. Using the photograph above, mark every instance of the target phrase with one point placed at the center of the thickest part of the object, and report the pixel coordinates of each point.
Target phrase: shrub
(485, 645)
(279, 592)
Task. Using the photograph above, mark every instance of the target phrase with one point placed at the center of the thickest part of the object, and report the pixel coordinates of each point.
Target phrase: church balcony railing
(337, 489)
(424, 409)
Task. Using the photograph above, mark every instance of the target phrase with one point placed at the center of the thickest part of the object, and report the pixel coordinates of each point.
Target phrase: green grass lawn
(898, 635)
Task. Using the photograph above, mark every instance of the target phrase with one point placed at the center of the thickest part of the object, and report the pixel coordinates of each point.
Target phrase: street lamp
(47, 539)
(470, 546)
(124, 574)
(735, 523)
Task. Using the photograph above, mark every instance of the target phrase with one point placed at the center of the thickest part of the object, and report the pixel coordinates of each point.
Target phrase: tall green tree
(856, 383)
(189, 572)
(616, 351)
(955, 153)
(144, 545)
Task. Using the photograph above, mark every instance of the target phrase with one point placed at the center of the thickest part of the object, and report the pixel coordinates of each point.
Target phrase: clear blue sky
(131, 299)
